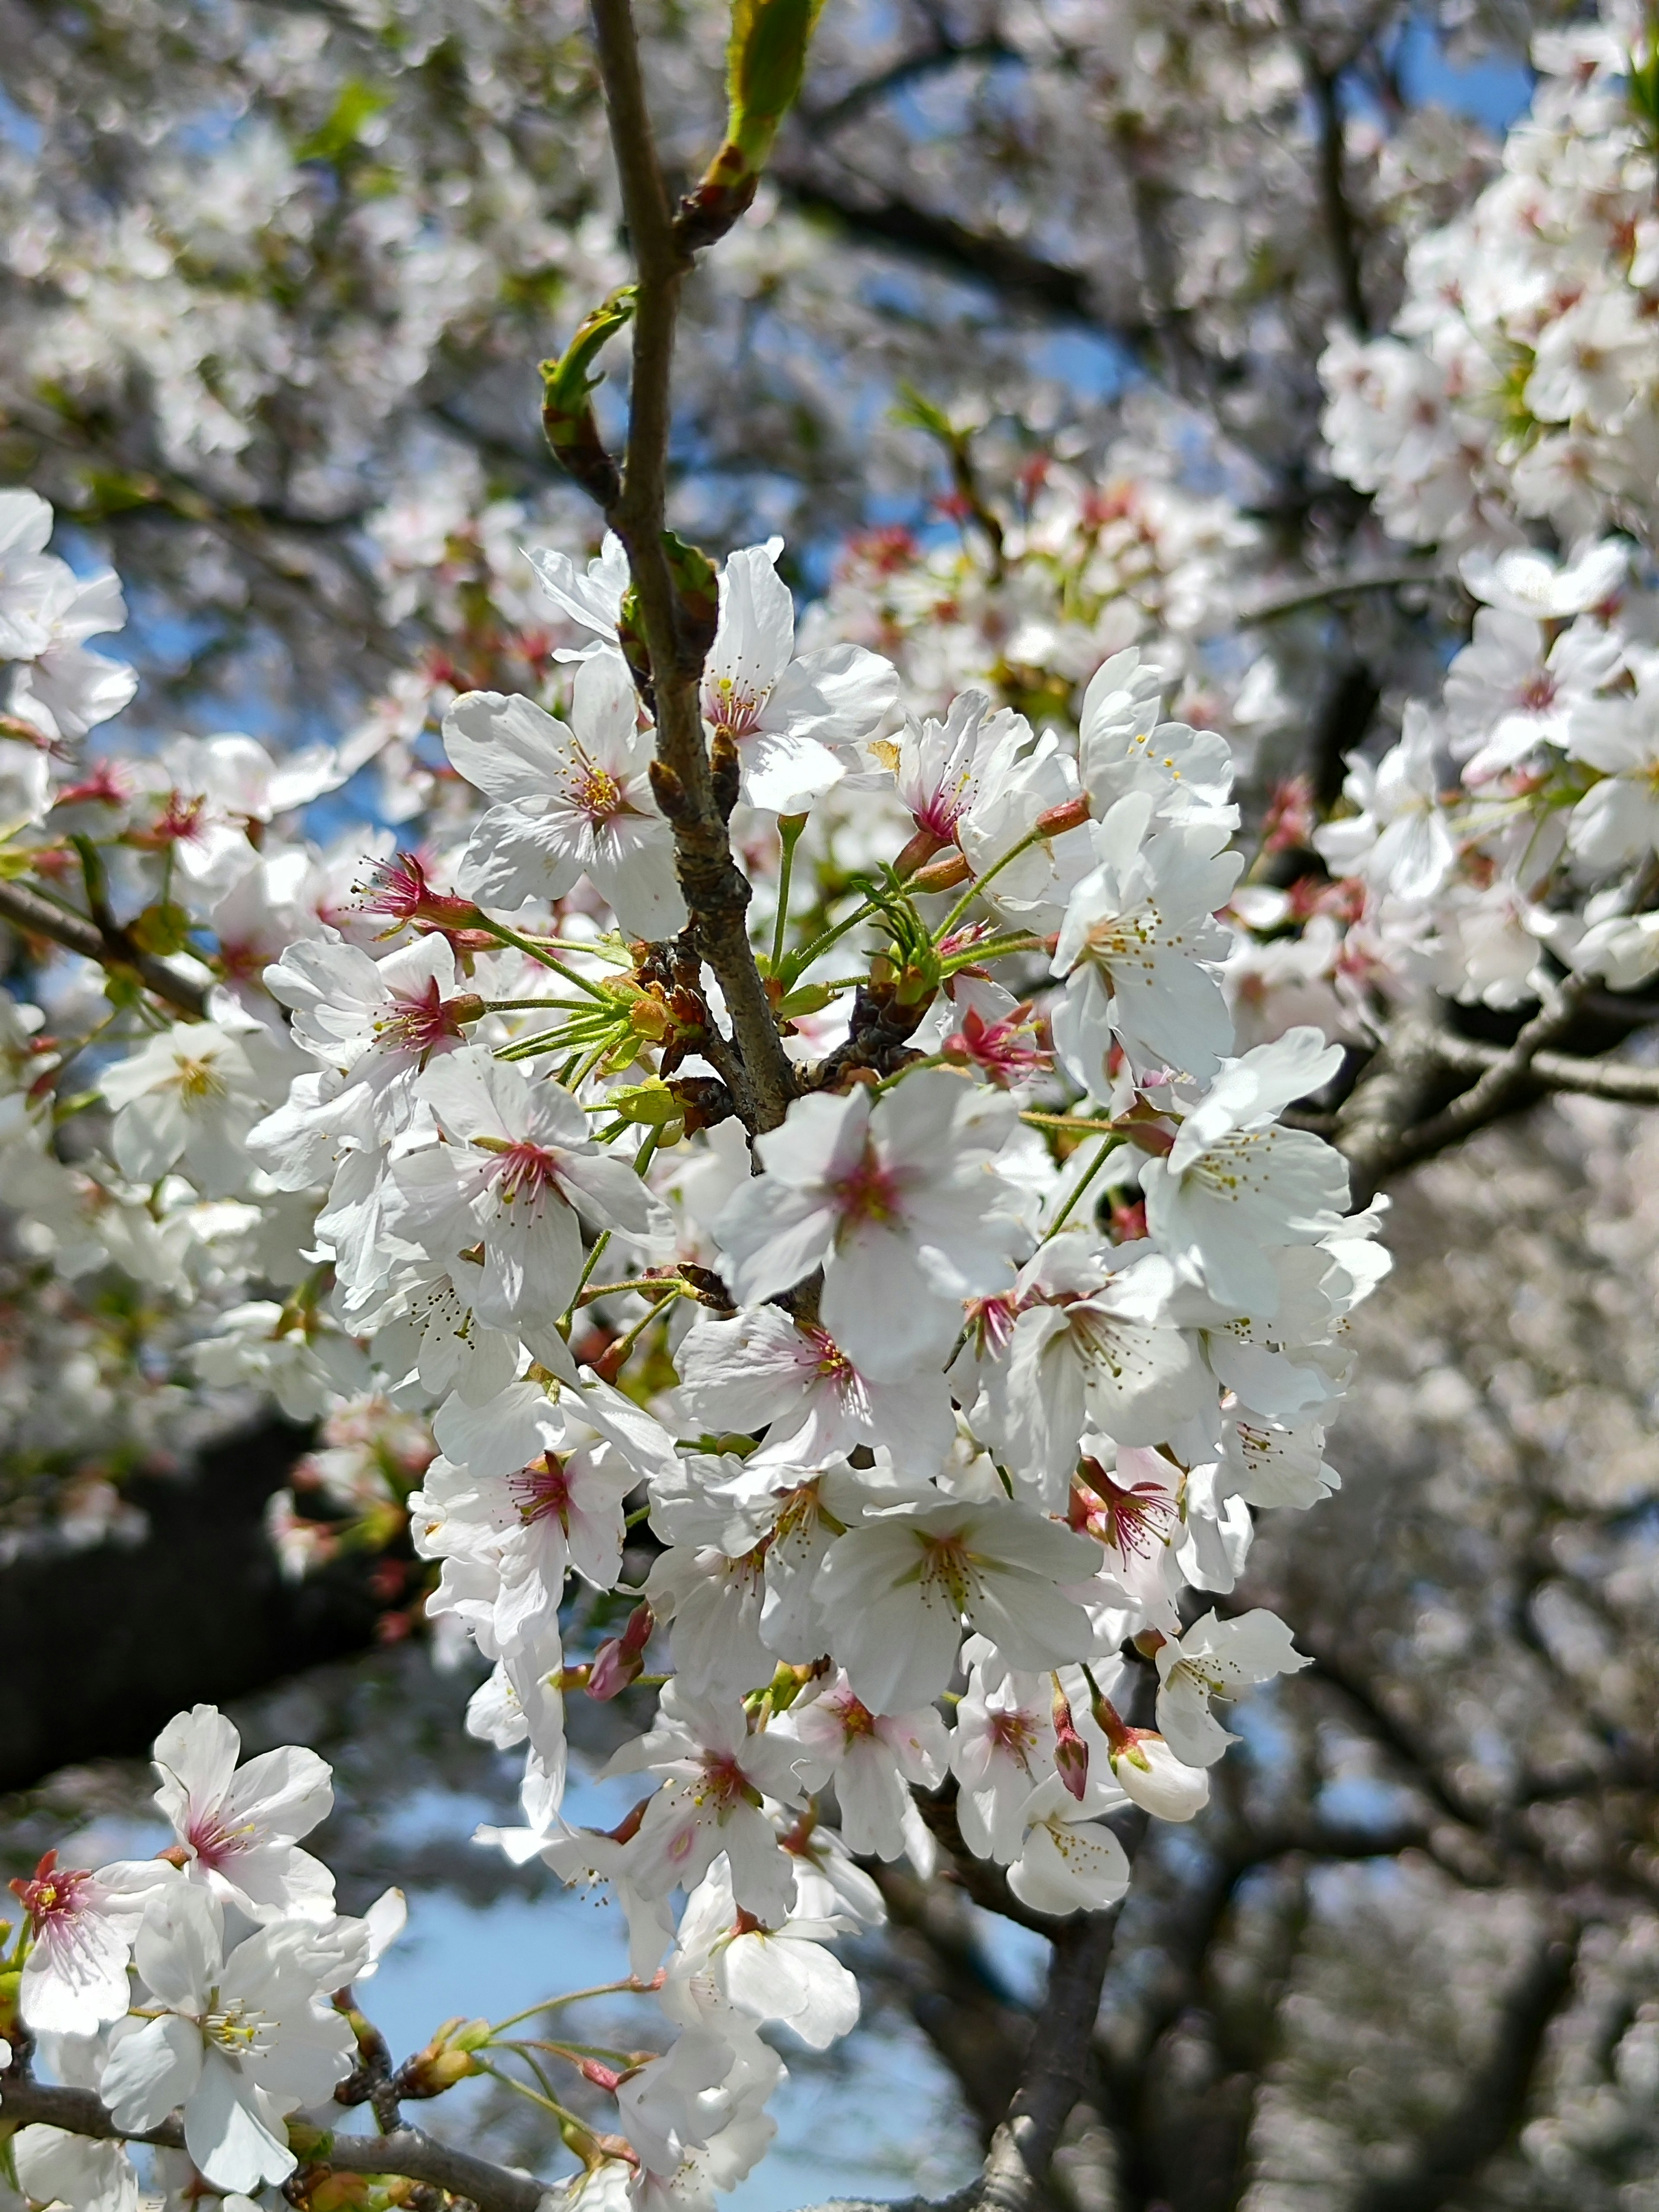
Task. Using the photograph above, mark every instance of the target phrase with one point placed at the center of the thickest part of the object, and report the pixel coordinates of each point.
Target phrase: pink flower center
(542, 1490)
(421, 1022)
(732, 707)
(54, 1893)
(724, 1783)
(525, 1171)
(213, 1843)
(1137, 1520)
(1015, 1734)
(1537, 692)
(868, 1193)
(833, 1365)
(991, 1322)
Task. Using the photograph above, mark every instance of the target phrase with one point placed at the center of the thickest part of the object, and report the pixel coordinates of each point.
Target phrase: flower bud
(1149, 1773)
(1071, 814)
(446, 2060)
(620, 1659)
(941, 875)
(1070, 1753)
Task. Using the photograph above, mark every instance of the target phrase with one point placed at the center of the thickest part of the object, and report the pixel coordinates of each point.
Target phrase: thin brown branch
(1341, 588)
(110, 946)
(884, 219)
(408, 2152)
(1558, 1071)
(948, 53)
(697, 794)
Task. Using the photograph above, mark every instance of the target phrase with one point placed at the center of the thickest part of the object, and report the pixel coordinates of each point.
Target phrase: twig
(110, 946)
(684, 780)
(1338, 587)
(1499, 1086)
(407, 2151)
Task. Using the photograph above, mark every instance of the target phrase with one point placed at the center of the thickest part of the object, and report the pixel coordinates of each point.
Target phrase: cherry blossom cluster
(200, 1983)
(892, 1457)
(910, 1453)
(1517, 386)
(1511, 831)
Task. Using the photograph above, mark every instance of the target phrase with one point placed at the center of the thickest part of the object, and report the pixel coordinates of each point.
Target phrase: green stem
(790, 826)
(1109, 1146)
(910, 1067)
(799, 962)
(994, 949)
(1073, 1124)
(1023, 845)
(623, 1351)
(588, 1265)
(499, 929)
(632, 1986)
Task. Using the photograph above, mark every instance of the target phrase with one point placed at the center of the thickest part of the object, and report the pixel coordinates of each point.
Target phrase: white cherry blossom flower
(1237, 1185)
(894, 1594)
(192, 1092)
(81, 1927)
(763, 1368)
(1217, 1659)
(571, 799)
(1069, 1860)
(1141, 951)
(872, 1759)
(788, 715)
(238, 1827)
(238, 2036)
(377, 1022)
(1001, 1747)
(55, 2167)
(714, 1772)
(1094, 1346)
(516, 1171)
(899, 1203)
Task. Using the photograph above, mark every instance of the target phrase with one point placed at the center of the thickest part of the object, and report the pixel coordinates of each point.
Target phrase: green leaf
(357, 104)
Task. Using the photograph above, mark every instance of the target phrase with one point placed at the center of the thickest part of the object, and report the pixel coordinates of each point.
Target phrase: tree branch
(1556, 1071)
(695, 794)
(981, 258)
(1057, 2066)
(110, 946)
(1494, 2103)
(1341, 588)
(949, 53)
(407, 2151)
(1340, 231)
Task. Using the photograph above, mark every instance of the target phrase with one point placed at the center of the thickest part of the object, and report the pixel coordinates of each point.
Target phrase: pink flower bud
(1070, 1753)
(620, 1659)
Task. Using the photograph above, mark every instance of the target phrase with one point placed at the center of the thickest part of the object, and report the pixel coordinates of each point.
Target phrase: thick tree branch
(407, 2151)
(110, 946)
(1339, 232)
(1057, 2066)
(696, 794)
(1494, 2103)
